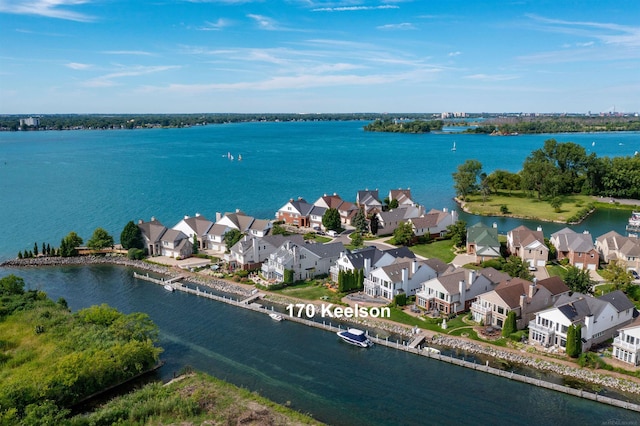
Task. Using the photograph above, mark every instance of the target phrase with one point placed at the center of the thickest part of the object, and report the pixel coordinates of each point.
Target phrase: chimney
(587, 330)
(237, 210)
(197, 214)
(585, 232)
(291, 200)
(414, 266)
(539, 228)
(335, 194)
(462, 289)
(153, 218)
(532, 290)
(445, 210)
(405, 277)
(218, 216)
(523, 300)
(472, 276)
(367, 266)
(186, 216)
(495, 225)
(140, 221)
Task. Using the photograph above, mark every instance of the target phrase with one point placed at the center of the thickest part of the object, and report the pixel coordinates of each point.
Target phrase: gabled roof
(493, 275)
(199, 224)
(317, 211)
(357, 257)
(173, 235)
(394, 270)
(329, 201)
(218, 229)
(524, 237)
(577, 306)
(618, 299)
(554, 284)
(260, 225)
(402, 195)
(438, 265)
(510, 291)
(629, 247)
(482, 235)
(301, 206)
(569, 240)
(402, 251)
(451, 280)
(324, 251)
(152, 230)
(368, 197)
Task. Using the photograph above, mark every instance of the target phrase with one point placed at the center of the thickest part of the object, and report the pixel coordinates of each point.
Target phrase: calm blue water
(55, 182)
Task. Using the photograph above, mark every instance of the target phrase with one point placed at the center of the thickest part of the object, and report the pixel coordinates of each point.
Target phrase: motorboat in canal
(355, 337)
(431, 350)
(169, 287)
(276, 317)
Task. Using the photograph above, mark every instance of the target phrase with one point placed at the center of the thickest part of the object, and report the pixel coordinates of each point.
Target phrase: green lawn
(556, 270)
(442, 250)
(520, 205)
(310, 291)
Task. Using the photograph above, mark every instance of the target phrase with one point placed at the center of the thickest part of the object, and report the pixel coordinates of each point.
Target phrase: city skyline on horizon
(314, 57)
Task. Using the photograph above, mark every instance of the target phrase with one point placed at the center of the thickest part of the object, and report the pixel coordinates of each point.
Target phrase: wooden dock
(412, 347)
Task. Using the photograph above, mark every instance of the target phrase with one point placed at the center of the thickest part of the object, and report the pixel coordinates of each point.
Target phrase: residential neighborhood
(299, 245)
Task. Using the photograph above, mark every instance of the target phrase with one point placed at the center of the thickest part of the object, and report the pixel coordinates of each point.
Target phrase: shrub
(242, 273)
(504, 209)
(135, 254)
(400, 299)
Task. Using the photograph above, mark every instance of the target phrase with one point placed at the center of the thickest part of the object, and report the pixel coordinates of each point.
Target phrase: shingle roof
(199, 224)
(325, 250)
(618, 299)
(554, 284)
(481, 234)
(153, 230)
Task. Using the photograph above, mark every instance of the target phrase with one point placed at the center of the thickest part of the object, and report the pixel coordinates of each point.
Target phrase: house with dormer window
(626, 345)
(528, 245)
(307, 260)
(402, 276)
(295, 213)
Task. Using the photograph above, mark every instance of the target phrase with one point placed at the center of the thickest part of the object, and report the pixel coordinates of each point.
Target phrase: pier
(412, 347)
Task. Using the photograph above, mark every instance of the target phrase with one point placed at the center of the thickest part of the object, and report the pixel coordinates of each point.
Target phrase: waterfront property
(197, 226)
(626, 346)
(482, 242)
(455, 290)
(402, 276)
(307, 260)
(613, 247)
(369, 201)
(599, 318)
(576, 247)
(528, 245)
(389, 220)
(152, 233)
(367, 258)
(434, 223)
(251, 252)
(346, 209)
(239, 221)
(523, 297)
(402, 196)
(295, 212)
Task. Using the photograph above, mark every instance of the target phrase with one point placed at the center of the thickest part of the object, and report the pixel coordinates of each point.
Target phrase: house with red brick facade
(295, 212)
(577, 248)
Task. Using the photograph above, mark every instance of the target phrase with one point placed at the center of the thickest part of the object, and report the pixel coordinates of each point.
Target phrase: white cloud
(78, 66)
(354, 8)
(108, 80)
(264, 22)
(215, 26)
(49, 8)
(491, 77)
(457, 53)
(127, 52)
(402, 26)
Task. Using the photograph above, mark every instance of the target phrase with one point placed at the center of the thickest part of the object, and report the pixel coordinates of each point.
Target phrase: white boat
(431, 350)
(239, 157)
(355, 337)
(169, 287)
(454, 146)
(276, 317)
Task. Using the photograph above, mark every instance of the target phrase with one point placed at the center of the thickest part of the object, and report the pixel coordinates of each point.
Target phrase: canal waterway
(312, 370)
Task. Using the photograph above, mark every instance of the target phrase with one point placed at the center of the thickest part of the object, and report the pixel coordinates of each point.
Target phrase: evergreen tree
(131, 236)
(68, 245)
(360, 221)
(44, 250)
(35, 249)
(458, 233)
(231, 238)
(574, 343)
(356, 239)
(510, 325)
(194, 245)
(403, 234)
(48, 250)
(19, 255)
(373, 224)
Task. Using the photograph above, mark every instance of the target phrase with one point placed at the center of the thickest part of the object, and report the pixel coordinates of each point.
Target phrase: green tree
(578, 280)
(20, 255)
(574, 344)
(100, 240)
(556, 204)
(616, 273)
(11, 284)
(356, 239)
(515, 267)
(457, 232)
(194, 245)
(359, 221)
(131, 236)
(400, 299)
(231, 237)
(466, 178)
(393, 204)
(403, 234)
(331, 219)
(278, 229)
(35, 249)
(68, 245)
(288, 276)
(373, 223)
(510, 326)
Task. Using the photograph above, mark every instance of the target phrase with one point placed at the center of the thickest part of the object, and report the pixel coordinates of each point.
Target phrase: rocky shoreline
(527, 360)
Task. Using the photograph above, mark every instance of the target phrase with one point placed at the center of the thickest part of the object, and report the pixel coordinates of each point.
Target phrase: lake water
(55, 182)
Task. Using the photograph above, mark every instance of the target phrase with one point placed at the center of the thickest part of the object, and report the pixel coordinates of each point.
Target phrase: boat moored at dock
(355, 337)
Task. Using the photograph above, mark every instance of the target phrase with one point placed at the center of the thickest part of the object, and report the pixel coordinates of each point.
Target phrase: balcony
(542, 330)
(625, 345)
(477, 307)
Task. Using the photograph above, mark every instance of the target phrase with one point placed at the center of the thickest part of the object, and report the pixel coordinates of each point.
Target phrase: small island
(401, 126)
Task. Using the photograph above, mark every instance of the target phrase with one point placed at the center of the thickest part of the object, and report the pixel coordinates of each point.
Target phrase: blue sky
(306, 56)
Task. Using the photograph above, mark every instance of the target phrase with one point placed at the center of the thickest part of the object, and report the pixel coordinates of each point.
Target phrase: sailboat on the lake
(454, 146)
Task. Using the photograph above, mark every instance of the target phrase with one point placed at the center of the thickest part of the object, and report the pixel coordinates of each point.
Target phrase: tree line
(396, 126)
(512, 125)
(556, 169)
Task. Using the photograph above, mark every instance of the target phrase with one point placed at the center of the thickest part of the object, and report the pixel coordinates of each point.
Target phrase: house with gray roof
(176, 244)
(523, 297)
(578, 248)
(295, 212)
(152, 233)
(454, 291)
(626, 345)
(369, 201)
(599, 318)
(250, 252)
(614, 247)
(388, 221)
(403, 275)
(239, 221)
(307, 260)
(197, 225)
(402, 196)
(482, 242)
(367, 258)
(346, 209)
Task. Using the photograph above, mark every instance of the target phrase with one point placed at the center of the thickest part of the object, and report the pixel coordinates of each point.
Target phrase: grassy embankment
(194, 399)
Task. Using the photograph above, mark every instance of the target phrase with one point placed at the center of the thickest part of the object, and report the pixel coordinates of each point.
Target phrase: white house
(528, 245)
(402, 276)
(366, 259)
(600, 319)
(176, 244)
(626, 346)
(306, 260)
(197, 225)
(250, 252)
(434, 223)
(238, 221)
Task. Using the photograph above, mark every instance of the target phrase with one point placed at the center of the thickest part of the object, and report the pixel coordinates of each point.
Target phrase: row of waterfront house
(546, 306)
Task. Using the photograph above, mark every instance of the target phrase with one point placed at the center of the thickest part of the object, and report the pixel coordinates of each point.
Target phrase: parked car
(332, 233)
(635, 274)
